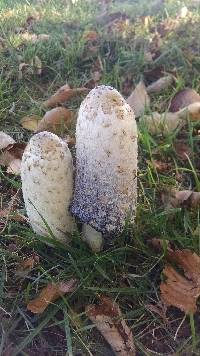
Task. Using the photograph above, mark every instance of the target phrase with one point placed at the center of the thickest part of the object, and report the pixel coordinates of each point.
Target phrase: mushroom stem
(92, 237)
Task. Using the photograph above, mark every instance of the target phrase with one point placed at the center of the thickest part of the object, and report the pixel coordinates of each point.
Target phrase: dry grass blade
(108, 319)
(139, 99)
(63, 95)
(50, 294)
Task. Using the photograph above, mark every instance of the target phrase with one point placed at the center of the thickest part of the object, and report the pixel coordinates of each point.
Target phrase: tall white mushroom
(106, 162)
(47, 185)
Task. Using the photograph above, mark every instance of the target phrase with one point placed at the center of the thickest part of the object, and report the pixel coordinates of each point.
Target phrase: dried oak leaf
(184, 98)
(177, 290)
(108, 319)
(56, 120)
(49, 294)
(64, 94)
(139, 99)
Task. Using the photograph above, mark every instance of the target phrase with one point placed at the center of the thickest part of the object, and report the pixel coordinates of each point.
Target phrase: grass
(129, 269)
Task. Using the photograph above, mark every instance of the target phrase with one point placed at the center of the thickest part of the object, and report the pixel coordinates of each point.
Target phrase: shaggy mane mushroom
(47, 185)
(106, 162)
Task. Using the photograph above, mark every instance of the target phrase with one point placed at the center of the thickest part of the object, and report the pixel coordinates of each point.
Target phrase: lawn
(44, 45)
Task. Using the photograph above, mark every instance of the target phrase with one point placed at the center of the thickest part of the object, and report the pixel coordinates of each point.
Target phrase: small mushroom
(47, 185)
(106, 162)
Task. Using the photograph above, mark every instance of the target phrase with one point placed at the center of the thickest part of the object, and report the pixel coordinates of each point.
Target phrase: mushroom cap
(106, 161)
(47, 185)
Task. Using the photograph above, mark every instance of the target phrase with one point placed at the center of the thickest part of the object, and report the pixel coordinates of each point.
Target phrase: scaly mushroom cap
(106, 161)
(47, 184)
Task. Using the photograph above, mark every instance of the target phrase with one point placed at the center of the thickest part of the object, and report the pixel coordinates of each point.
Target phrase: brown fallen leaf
(182, 150)
(90, 36)
(11, 214)
(64, 94)
(50, 294)
(179, 291)
(108, 319)
(161, 84)
(139, 99)
(11, 157)
(14, 167)
(30, 122)
(56, 120)
(184, 98)
(28, 263)
(178, 199)
(5, 140)
(160, 166)
(167, 122)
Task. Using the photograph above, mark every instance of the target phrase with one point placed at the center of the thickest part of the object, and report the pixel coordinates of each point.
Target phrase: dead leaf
(11, 157)
(161, 84)
(49, 295)
(108, 319)
(11, 214)
(139, 99)
(182, 150)
(14, 167)
(180, 291)
(154, 74)
(56, 120)
(184, 98)
(30, 122)
(33, 38)
(64, 94)
(38, 65)
(160, 166)
(22, 67)
(5, 140)
(172, 198)
(167, 122)
(29, 263)
(90, 36)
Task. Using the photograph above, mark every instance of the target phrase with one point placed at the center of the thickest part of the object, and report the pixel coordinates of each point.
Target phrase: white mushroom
(106, 161)
(47, 185)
